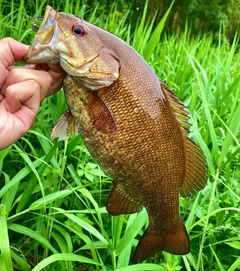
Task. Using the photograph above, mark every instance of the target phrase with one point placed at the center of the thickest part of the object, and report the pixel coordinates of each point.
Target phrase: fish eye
(78, 30)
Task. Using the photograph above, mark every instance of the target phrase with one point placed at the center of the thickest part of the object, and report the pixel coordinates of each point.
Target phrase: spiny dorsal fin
(195, 167)
(178, 107)
(65, 127)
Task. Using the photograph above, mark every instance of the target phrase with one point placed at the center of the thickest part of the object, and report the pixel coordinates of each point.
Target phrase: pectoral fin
(101, 116)
(119, 202)
(65, 127)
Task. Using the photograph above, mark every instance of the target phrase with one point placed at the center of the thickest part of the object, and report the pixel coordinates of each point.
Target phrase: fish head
(77, 46)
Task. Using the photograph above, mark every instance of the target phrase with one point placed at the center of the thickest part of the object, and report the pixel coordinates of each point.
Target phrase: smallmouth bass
(131, 122)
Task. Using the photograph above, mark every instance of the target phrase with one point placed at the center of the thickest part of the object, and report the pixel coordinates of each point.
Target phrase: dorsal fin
(195, 162)
(179, 108)
(196, 174)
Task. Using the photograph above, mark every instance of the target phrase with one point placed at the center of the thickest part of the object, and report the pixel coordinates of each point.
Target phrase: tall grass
(53, 195)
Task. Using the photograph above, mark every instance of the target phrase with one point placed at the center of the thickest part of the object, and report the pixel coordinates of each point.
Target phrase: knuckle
(7, 40)
(34, 84)
(10, 91)
(15, 75)
(48, 79)
(12, 74)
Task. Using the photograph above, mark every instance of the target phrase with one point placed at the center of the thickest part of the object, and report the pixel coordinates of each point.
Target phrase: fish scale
(133, 125)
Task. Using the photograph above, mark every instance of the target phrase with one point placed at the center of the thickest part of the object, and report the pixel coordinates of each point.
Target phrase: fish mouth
(42, 49)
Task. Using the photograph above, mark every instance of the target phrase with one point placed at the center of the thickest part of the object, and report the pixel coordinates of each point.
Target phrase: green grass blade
(17, 178)
(155, 35)
(62, 257)
(5, 254)
(219, 265)
(22, 263)
(232, 129)
(87, 227)
(46, 200)
(132, 231)
(33, 234)
(235, 266)
(143, 267)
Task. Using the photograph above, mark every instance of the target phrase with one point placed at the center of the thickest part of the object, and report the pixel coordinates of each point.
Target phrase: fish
(133, 125)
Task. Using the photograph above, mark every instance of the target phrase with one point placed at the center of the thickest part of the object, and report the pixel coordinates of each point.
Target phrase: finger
(25, 93)
(57, 81)
(42, 78)
(11, 51)
(57, 73)
(3, 74)
(46, 67)
(13, 126)
(1, 97)
(30, 67)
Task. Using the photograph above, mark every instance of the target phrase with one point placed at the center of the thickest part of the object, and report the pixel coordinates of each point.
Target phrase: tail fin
(175, 242)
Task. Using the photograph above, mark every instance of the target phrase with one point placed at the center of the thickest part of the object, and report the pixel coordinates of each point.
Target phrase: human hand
(21, 90)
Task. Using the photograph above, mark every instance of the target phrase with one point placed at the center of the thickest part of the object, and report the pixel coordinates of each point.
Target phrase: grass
(53, 195)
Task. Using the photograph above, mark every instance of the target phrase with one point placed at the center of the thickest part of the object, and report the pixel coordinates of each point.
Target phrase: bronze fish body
(132, 124)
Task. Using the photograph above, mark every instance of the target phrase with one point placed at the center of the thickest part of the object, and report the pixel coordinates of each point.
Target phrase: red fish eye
(78, 30)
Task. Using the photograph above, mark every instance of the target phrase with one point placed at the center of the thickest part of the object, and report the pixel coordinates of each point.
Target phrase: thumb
(11, 51)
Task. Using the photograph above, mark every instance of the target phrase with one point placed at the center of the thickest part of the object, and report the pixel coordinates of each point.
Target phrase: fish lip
(34, 56)
(37, 51)
(44, 47)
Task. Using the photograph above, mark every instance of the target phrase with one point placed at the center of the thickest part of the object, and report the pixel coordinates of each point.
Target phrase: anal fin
(119, 202)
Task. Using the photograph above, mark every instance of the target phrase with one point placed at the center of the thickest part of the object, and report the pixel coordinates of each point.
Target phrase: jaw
(38, 53)
(43, 48)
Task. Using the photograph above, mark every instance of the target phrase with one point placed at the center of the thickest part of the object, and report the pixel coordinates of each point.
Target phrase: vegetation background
(53, 195)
